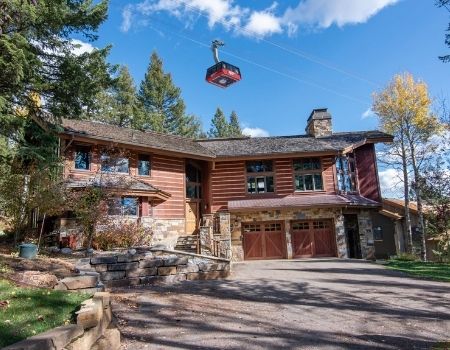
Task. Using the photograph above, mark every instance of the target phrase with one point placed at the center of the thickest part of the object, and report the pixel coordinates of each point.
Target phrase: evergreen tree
(219, 125)
(37, 58)
(445, 4)
(164, 109)
(234, 126)
(119, 104)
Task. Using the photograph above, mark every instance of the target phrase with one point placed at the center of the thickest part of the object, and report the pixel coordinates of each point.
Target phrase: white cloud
(263, 23)
(255, 22)
(368, 114)
(255, 132)
(80, 47)
(127, 15)
(391, 182)
(324, 13)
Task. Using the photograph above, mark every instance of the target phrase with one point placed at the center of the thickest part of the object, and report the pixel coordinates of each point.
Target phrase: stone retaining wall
(93, 330)
(136, 267)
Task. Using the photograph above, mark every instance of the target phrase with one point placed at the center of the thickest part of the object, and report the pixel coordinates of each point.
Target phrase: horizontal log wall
(228, 181)
(167, 174)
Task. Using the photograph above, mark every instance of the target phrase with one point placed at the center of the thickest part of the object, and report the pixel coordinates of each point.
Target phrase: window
(143, 165)
(378, 233)
(260, 177)
(308, 175)
(123, 206)
(193, 182)
(346, 173)
(82, 159)
(114, 164)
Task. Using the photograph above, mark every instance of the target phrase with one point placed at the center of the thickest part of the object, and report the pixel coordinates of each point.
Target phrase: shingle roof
(153, 140)
(115, 182)
(289, 144)
(232, 147)
(325, 200)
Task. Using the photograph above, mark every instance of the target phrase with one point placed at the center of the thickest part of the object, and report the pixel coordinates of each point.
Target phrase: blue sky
(294, 56)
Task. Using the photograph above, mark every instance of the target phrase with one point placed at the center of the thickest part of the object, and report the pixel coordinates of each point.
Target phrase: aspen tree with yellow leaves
(403, 109)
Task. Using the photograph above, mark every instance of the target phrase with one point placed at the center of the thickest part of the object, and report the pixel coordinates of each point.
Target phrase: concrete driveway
(297, 304)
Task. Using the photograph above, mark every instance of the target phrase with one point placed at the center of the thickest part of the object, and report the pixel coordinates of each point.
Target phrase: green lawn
(435, 271)
(30, 311)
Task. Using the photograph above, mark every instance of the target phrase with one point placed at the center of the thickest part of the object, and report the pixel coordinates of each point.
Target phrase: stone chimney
(319, 123)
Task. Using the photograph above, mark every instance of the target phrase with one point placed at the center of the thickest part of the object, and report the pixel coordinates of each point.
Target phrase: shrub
(406, 257)
(122, 234)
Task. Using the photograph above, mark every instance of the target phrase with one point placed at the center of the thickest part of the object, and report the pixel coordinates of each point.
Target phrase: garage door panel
(322, 240)
(274, 245)
(302, 244)
(263, 240)
(312, 238)
(253, 246)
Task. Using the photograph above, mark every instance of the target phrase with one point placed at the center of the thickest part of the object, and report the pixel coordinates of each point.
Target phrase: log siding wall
(167, 173)
(228, 181)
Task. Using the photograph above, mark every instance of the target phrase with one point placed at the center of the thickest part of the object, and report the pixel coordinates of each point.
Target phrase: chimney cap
(319, 113)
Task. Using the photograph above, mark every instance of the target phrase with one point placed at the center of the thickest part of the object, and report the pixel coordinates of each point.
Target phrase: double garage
(309, 238)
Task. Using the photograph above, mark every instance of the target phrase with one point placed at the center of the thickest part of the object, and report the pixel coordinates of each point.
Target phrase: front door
(192, 211)
(352, 234)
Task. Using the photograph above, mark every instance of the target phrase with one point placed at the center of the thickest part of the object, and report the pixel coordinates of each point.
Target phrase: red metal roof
(323, 200)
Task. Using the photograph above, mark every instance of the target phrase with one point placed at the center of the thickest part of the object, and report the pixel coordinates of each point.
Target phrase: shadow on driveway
(313, 304)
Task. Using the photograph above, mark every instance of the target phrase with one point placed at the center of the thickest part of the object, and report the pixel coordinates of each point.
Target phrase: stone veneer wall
(165, 231)
(336, 214)
(366, 234)
(150, 266)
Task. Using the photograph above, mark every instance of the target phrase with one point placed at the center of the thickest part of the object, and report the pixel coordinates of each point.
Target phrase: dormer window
(308, 175)
(260, 177)
(346, 173)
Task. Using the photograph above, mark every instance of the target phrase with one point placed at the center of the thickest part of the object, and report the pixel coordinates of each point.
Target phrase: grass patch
(435, 271)
(28, 311)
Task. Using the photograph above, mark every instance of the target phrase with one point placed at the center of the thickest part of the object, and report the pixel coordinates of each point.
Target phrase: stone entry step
(187, 243)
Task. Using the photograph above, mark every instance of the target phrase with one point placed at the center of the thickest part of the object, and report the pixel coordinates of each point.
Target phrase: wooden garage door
(311, 238)
(263, 240)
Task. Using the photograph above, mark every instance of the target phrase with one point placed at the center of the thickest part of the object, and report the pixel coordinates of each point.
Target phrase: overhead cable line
(293, 51)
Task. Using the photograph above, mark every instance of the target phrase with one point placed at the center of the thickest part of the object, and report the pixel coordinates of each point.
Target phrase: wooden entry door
(313, 238)
(192, 217)
(263, 241)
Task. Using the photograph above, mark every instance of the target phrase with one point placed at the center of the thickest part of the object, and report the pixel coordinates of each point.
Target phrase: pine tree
(234, 126)
(219, 125)
(164, 109)
(119, 104)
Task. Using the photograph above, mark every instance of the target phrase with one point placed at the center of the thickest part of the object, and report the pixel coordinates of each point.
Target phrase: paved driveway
(297, 304)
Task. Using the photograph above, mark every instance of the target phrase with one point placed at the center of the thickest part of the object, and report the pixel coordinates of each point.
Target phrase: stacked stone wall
(156, 267)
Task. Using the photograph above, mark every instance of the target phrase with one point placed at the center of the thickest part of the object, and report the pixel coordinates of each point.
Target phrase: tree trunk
(418, 191)
(407, 226)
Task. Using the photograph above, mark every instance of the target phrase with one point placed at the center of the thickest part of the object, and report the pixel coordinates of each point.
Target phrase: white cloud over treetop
(255, 132)
(261, 22)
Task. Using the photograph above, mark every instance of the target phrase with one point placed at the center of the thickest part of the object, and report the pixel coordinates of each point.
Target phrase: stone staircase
(187, 243)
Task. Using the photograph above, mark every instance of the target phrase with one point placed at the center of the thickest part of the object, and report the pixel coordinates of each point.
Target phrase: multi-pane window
(193, 182)
(346, 173)
(308, 175)
(143, 165)
(260, 177)
(111, 164)
(128, 206)
(82, 159)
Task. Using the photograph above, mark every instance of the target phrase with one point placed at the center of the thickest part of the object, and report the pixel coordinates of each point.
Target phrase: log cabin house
(308, 195)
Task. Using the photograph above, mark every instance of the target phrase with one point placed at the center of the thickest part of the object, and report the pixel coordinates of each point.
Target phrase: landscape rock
(80, 282)
(39, 279)
(167, 270)
(66, 251)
